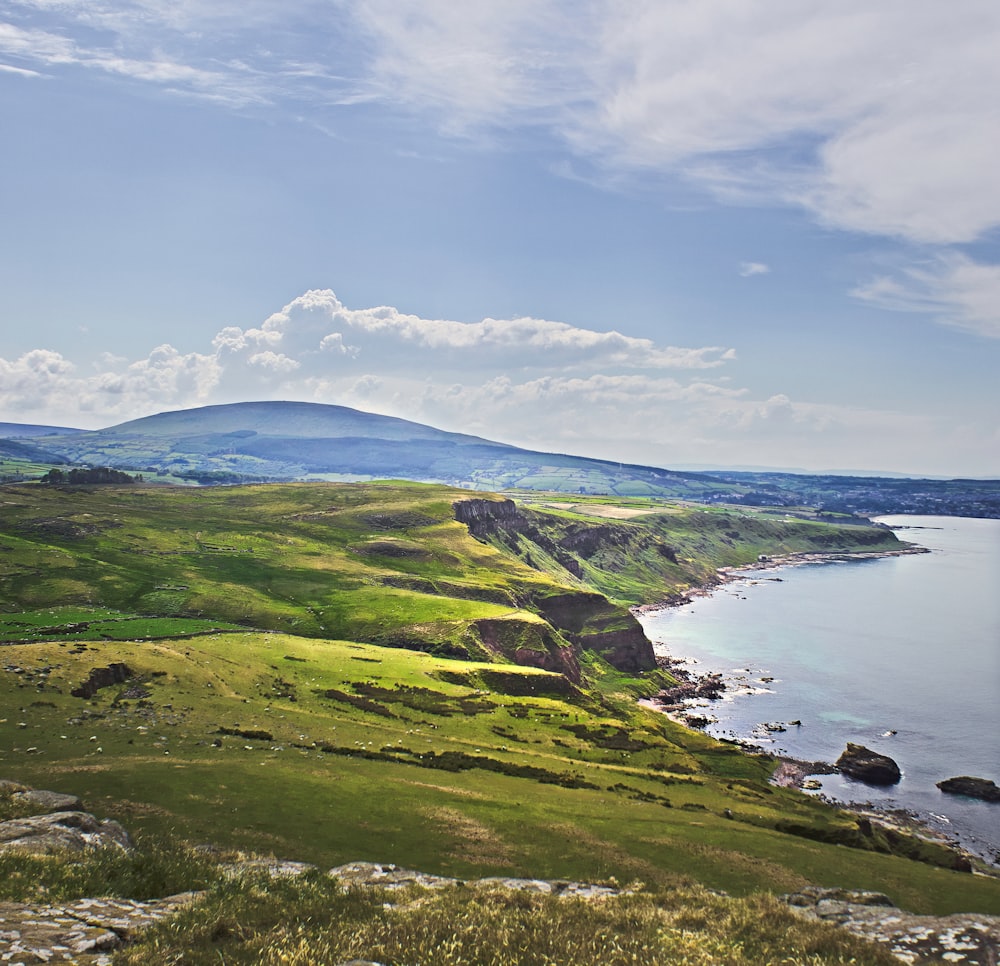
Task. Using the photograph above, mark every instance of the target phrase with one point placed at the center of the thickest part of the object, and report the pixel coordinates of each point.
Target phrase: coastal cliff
(585, 618)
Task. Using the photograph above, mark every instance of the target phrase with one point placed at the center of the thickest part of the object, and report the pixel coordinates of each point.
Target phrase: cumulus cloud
(534, 383)
(44, 382)
(748, 269)
(318, 330)
(319, 347)
(953, 288)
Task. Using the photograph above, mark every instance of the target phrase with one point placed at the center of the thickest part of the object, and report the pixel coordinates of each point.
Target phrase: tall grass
(158, 866)
(311, 921)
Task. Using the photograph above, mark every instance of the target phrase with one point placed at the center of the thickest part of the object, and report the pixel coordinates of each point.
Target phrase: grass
(310, 921)
(328, 752)
(302, 735)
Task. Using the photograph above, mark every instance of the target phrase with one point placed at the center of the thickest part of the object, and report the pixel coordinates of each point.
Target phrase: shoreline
(690, 705)
(795, 773)
(729, 575)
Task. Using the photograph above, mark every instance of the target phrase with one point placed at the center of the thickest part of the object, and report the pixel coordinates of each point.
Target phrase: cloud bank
(875, 119)
(533, 382)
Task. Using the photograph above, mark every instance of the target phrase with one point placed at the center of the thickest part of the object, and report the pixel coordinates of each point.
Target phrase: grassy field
(331, 751)
(261, 710)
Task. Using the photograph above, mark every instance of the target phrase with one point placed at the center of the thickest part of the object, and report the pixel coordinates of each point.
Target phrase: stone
(868, 766)
(56, 831)
(981, 788)
(39, 800)
(387, 876)
(972, 940)
(102, 677)
(84, 931)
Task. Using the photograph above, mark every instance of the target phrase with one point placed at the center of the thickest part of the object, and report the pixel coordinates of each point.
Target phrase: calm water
(901, 654)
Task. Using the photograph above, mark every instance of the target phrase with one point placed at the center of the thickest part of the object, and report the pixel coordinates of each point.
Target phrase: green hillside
(256, 706)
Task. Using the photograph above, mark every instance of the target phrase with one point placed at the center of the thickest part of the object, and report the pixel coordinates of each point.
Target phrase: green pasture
(330, 751)
(263, 711)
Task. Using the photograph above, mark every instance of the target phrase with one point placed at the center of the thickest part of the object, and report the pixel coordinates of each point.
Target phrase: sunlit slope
(356, 560)
(331, 751)
(387, 564)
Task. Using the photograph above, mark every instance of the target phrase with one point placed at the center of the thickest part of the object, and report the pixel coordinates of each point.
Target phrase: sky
(683, 233)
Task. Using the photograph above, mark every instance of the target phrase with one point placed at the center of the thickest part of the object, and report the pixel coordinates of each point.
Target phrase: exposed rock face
(982, 788)
(973, 940)
(481, 515)
(592, 622)
(586, 619)
(372, 874)
(868, 766)
(531, 645)
(102, 677)
(61, 830)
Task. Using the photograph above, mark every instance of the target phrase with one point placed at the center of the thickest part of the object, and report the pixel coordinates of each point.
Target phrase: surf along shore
(689, 703)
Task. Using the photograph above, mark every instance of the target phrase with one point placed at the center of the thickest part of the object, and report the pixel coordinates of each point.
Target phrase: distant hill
(283, 441)
(288, 441)
(17, 430)
(297, 420)
(14, 449)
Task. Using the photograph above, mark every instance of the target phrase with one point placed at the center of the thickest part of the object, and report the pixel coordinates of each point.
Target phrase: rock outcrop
(590, 621)
(972, 940)
(102, 677)
(85, 931)
(868, 766)
(59, 831)
(376, 875)
(982, 788)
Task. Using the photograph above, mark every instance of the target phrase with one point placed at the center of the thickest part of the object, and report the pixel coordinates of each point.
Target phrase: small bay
(900, 654)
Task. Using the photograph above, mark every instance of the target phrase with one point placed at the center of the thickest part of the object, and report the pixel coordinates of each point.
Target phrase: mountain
(284, 441)
(298, 420)
(287, 441)
(17, 430)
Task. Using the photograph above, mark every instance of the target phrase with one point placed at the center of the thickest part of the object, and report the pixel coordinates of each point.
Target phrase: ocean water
(900, 654)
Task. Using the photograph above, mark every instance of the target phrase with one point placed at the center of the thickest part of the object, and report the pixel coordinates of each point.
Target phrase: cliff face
(532, 645)
(587, 620)
(593, 623)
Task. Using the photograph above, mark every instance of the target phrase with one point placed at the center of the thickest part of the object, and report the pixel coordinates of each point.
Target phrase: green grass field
(300, 735)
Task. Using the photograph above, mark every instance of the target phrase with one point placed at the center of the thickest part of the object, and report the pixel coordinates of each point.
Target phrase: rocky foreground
(89, 930)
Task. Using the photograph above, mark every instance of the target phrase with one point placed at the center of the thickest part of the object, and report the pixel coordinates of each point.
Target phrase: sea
(900, 654)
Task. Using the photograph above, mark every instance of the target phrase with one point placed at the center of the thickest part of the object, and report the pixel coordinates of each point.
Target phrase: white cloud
(44, 382)
(318, 322)
(953, 288)
(748, 269)
(19, 71)
(543, 385)
(317, 346)
(877, 118)
(277, 362)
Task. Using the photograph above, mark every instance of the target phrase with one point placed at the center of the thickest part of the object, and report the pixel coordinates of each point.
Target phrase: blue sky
(676, 233)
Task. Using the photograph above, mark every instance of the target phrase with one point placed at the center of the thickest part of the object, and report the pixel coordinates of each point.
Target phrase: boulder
(56, 831)
(102, 677)
(868, 766)
(40, 800)
(982, 788)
